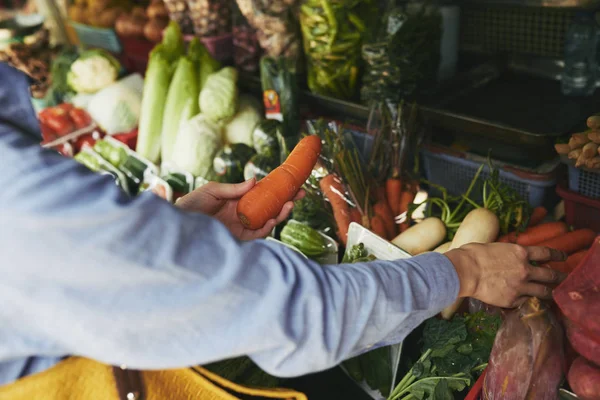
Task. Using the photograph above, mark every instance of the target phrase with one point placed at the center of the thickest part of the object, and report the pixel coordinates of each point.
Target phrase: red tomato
(66, 149)
(48, 134)
(84, 141)
(80, 117)
(60, 123)
(129, 138)
(66, 107)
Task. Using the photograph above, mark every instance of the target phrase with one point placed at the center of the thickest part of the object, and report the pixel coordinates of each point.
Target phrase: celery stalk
(156, 87)
(181, 105)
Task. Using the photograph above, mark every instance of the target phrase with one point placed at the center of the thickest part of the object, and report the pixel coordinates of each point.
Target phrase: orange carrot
(541, 233)
(378, 227)
(266, 199)
(382, 209)
(393, 190)
(537, 216)
(355, 215)
(571, 242)
(406, 199)
(508, 238)
(334, 191)
(570, 264)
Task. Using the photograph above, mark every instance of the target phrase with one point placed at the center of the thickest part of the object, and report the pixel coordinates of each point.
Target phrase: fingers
(545, 275)
(265, 230)
(285, 212)
(545, 254)
(301, 193)
(536, 290)
(228, 191)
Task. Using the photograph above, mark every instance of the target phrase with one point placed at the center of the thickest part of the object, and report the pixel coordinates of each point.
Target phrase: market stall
(168, 96)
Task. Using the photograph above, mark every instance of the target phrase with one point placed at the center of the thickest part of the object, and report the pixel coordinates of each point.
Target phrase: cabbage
(198, 140)
(240, 128)
(218, 98)
(116, 109)
(92, 71)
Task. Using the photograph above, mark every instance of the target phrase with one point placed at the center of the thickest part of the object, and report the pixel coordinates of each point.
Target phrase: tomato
(84, 141)
(66, 149)
(48, 134)
(66, 107)
(80, 117)
(60, 123)
(129, 138)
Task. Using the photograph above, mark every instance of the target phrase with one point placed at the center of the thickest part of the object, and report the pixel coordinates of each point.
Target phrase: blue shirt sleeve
(88, 271)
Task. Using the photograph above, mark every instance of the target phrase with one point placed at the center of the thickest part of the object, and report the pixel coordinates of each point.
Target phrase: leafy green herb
(454, 352)
(356, 254)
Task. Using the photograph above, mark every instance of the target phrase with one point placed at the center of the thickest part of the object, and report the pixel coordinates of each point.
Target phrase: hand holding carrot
(220, 200)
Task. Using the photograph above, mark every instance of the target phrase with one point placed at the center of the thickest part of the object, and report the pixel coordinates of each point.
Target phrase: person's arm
(88, 271)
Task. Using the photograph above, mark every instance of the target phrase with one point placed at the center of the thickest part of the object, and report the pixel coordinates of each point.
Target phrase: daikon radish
(421, 237)
(443, 248)
(479, 226)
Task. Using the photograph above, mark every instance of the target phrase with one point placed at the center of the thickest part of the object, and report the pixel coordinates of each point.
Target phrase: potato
(594, 136)
(584, 379)
(109, 17)
(562, 148)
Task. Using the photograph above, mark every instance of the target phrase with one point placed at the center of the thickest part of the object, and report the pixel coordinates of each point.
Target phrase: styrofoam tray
(383, 250)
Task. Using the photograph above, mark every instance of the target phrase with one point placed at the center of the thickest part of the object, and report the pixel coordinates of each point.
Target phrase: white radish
(479, 226)
(421, 237)
(443, 248)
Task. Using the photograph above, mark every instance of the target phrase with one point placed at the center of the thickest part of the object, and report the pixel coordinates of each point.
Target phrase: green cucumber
(304, 238)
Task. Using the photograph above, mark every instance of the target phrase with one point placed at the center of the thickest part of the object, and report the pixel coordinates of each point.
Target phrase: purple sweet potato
(584, 379)
(527, 359)
(583, 343)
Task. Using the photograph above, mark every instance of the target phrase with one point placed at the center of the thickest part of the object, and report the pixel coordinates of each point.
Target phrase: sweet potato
(584, 344)
(578, 296)
(527, 359)
(584, 379)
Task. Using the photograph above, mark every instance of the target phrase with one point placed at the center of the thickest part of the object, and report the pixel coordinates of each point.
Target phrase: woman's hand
(502, 274)
(219, 200)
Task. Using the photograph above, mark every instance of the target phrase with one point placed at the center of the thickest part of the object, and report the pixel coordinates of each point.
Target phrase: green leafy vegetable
(219, 95)
(453, 353)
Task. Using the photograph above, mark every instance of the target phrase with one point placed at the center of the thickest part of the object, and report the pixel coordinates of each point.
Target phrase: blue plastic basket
(586, 183)
(456, 173)
(103, 38)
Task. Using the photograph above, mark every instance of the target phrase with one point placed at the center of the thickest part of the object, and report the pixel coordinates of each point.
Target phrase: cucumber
(304, 238)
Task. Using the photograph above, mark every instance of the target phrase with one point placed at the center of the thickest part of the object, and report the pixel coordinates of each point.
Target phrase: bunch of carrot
(555, 235)
(400, 199)
(584, 147)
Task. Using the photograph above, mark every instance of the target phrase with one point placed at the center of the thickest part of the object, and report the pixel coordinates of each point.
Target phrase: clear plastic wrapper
(131, 164)
(527, 359)
(259, 166)
(277, 28)
(229, 163)
(96, 163)
(333, 34)
(476, 306)
(182, 182)
(180, 13)
(246, 49)
(405, 57)
(210, 17)
(265, 137)
(375, 371)
(158, 186)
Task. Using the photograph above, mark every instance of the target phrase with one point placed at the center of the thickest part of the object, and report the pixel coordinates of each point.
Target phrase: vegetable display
(333, 33)
(265, 200)
(453, 354)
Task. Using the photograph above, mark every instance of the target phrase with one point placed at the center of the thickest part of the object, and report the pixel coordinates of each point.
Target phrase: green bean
(357, 22)
(330, 14)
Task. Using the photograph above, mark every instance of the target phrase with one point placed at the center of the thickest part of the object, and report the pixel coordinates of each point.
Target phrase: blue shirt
(88, 271)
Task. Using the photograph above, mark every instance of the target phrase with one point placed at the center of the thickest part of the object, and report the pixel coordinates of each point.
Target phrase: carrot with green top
(333, 190)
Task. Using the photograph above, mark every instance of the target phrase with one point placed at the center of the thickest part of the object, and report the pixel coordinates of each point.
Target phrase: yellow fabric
(83, 379)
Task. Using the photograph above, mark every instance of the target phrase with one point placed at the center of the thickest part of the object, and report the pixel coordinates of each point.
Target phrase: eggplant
(527, 360)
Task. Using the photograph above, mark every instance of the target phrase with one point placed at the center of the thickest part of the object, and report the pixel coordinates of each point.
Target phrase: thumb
(230, 191)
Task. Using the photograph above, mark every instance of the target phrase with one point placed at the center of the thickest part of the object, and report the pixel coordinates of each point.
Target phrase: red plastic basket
(580, 211)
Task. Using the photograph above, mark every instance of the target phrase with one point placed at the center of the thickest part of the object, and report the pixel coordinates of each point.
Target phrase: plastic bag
(583, 343)
(277, 28)
(578, 296)
(246, 49)
(210, 17)
(406, 56)
(527, 359)
(333, 34)
(476, 306)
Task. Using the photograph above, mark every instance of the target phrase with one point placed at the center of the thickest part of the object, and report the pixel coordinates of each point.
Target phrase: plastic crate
(584, 182)
(103, 38)
(580, 211)
(455, 171)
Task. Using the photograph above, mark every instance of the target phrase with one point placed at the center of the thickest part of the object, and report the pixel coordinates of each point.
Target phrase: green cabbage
(240, 128)
(218, 98)
(198, 140)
